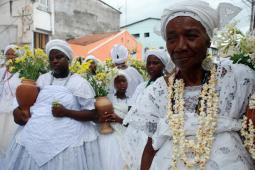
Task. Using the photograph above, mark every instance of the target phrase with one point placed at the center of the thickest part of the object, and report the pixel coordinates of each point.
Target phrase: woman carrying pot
(59, 134)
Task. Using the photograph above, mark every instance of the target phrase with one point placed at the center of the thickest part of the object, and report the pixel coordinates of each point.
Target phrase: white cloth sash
(45, 136)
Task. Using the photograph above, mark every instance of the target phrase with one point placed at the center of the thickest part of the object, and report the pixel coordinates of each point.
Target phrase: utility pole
(251, 3)
(252, 23)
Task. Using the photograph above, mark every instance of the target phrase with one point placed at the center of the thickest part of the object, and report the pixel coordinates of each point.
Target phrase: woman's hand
(59, 111)
(112, 118)
(21, 117)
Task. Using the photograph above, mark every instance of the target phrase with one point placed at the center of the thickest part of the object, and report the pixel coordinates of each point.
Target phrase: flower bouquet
(29, 65)
(100, 83)
(140, 66)
(232, 43)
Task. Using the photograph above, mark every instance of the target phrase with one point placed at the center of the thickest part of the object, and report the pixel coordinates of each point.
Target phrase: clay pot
(26, 94)
(250, 113)
(103, 104)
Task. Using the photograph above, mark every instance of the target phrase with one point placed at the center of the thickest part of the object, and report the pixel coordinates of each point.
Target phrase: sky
(135, 10)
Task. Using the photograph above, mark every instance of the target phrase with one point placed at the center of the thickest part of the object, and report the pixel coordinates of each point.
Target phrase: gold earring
(207, 63)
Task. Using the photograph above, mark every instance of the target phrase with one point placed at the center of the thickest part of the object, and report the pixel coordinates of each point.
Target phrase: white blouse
(236, 83)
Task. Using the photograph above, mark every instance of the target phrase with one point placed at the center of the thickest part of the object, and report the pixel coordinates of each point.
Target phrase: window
(147, 34)
(136, 35)
(40, 40)
(44, 5)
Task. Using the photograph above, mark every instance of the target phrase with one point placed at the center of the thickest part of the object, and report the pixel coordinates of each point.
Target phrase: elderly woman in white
(157, 64)
(199, 107)
(59, 134)
(119, 55)
(8, 84)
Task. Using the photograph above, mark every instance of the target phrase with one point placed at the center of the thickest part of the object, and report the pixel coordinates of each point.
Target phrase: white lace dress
(111, 145)
(47, 142)
(8, 85)
(235, 85)
(135, 138)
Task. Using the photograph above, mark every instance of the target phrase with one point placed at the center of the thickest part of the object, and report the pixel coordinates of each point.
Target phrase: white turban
(163, 56)
(12, 46)
(60, 45)
(121, 73)
(198, 10)
(91, 57)
(119, 54)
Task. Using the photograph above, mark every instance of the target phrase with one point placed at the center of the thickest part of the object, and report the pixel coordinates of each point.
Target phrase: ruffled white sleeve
(245, 80)
(83, 91)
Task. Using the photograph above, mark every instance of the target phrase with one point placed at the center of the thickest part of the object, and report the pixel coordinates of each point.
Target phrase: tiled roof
(91, 38)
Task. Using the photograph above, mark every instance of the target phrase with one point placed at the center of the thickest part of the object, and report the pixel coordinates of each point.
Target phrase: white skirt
(111, 155)
(84, 157)
(7, 131)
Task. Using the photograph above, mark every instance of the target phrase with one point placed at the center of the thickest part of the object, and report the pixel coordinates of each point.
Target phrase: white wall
(16, 27)
(42, 19)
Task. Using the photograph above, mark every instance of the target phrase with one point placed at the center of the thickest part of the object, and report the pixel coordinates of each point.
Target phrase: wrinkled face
(154, 67)
(10, 54)
(187, 42)
(120, 83)
(59, 62)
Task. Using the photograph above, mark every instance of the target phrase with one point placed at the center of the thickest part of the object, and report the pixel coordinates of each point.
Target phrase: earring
(207, 63)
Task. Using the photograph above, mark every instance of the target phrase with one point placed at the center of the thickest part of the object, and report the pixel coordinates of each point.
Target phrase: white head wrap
(199, 10)
(163, 56)
(121, 72)
(12, 46)
(202, 12)
(60, 45)
(91, 57)
(119, 54)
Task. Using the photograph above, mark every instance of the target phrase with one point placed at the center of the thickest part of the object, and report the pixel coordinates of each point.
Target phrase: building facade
(144, 32)
(100, 45)
(34, 22)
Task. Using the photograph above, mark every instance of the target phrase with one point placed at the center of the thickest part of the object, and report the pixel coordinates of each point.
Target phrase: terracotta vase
(26, 94)
(103, 104)
(251, 114)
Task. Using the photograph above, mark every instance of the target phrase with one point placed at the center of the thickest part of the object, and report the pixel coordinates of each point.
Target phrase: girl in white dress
(187, 116)
(59, 133)
(157, 64)
(8, 85)
(111, 148)
(119, 55)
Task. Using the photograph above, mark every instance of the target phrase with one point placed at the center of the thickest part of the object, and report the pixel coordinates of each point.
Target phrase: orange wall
(103, 52)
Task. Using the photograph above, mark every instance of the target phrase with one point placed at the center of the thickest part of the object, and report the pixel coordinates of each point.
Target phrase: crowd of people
(187, 115)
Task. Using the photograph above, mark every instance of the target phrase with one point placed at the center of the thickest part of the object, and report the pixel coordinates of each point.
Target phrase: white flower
(201, 146)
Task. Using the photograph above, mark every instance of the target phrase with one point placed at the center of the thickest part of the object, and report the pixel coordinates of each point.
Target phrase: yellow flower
(100, 76)
(11, 68)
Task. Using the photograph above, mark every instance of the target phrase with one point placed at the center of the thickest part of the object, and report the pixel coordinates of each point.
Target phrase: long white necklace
(200, 147)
